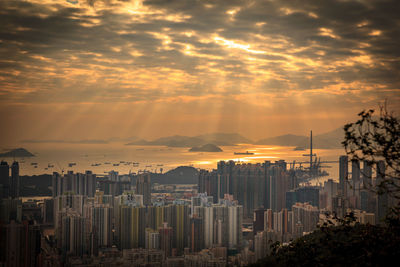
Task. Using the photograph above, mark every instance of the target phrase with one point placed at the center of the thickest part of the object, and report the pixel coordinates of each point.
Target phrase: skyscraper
(166, 239)
(152, 239)
(235, 214)
(4, 179)
(367, 174)
(355, 171)
(14, 192)
(143, 187)
(258, 221)
(343, 175)
(131, 226)
(382, 198)
(196, 234)
(303, 194)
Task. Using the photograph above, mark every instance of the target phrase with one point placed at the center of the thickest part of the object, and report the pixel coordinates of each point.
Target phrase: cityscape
(199, 133)
(229, 218)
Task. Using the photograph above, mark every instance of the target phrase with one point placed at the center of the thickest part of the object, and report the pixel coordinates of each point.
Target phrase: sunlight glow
(232, 44)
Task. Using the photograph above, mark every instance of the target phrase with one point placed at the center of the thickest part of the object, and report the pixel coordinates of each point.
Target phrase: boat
(33, 163)
(243, 153)
(298, 148)
(71, 164)
(116, 164)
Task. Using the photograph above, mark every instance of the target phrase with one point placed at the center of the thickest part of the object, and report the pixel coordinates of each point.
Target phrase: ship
(243, 153)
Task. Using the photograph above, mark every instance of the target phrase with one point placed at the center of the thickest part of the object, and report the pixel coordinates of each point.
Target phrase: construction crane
(311, 155)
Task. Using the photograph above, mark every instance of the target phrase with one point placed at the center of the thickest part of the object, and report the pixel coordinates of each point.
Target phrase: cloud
(154, 51)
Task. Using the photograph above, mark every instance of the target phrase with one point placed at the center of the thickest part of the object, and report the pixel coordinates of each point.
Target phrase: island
(206, 148)
(17, 153)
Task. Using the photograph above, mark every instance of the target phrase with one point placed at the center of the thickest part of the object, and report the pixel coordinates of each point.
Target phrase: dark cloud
(97, 50)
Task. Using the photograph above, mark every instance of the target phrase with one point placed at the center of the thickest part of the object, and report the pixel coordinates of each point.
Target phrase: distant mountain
(18, 153)
(206, 148)
(85, 141)
(219, 139)
(332, 139)
(329, 140)
(284, 140)
(171, 141)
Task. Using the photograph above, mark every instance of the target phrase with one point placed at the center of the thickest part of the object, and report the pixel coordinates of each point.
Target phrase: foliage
(370, 139)
(344, 245)
(374, 138)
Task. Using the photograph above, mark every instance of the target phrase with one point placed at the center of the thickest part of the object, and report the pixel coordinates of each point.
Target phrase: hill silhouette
(206, 148)
(17, 153)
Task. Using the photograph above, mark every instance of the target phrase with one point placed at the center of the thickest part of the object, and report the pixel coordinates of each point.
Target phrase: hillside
(179, 175)
(219, 139)
(17, 153)
(206, 148)
(329, 140)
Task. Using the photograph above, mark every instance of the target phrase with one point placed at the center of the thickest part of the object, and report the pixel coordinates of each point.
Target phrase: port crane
(314, 162)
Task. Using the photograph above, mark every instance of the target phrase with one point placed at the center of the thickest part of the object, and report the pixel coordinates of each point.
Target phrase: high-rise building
(355, 170)
(10, 210)
(221, 224)
(306, 215)
(143, 187)
(268, 220)
(48, 211)
(209, 182)
(207, 214)
(196, 234)
(235, 215)
(78, 184)
(382, 207)
(258, 221)
(19, 244)
(367, 174)
(343, 175)
(72, 234)
(152, 239)
(131, 226)
(14, 186)
(253, 185)
(302, 195)
(4, 180)
(101, 216)
(166, 239)
(203, 200)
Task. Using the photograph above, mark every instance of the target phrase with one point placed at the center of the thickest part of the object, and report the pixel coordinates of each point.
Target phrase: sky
(92, 69)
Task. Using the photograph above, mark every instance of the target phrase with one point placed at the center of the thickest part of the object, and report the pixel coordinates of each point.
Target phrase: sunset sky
(98, 69)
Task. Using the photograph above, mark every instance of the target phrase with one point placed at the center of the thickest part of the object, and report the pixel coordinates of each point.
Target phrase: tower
(143, 187)
(4, 179)
(14, 192)
(343, 175)
(166, 240)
